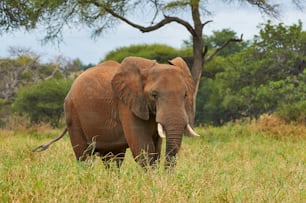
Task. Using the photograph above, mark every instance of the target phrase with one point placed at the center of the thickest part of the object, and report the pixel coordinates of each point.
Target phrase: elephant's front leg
(139, 135)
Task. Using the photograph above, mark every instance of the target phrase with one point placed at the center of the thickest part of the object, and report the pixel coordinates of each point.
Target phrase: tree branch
(264, 6)
(218, 49)
(205, 51)
(56, 69)
(205, 23)
(166, 20)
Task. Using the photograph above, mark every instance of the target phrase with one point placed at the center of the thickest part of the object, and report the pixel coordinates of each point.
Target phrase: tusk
(191, 131)
(161, 131)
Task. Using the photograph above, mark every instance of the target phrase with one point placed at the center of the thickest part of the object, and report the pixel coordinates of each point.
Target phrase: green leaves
(174, 5)
(43, 101)
(268, 76)
(161, 53)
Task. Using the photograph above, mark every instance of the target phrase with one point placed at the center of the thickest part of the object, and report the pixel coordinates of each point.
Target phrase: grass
(234, 163)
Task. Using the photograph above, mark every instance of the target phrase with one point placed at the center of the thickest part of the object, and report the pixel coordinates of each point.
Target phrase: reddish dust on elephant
(113, 106)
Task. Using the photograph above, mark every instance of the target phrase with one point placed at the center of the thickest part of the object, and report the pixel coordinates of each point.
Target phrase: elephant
(135, 104)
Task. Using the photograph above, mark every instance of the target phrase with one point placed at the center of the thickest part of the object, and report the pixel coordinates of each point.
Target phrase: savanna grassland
(246, 162)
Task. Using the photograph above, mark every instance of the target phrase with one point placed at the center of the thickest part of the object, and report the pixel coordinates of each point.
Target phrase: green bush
(43, 102)
(293, 112)
(161, 53)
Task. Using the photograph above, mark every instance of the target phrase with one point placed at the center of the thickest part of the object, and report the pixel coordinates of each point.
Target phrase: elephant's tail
(46, 146)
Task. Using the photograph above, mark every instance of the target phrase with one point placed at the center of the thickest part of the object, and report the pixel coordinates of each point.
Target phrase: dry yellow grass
(233, 163)
(279, 128)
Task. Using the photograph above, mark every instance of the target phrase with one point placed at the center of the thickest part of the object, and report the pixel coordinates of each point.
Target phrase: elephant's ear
(127, 85)
(182, 65)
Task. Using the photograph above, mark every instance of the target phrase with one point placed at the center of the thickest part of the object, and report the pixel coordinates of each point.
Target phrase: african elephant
(133, 105)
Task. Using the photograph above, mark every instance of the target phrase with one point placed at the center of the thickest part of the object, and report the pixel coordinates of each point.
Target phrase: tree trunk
(196, 71)
(198, 58)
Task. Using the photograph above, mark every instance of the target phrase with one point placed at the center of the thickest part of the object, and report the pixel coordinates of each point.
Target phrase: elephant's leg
(77, 137)
(151, 156)
(79, 144)
(139, 137)
(143, 151)
(114, 156)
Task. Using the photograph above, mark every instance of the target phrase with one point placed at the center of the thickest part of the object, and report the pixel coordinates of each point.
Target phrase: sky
(78, 43)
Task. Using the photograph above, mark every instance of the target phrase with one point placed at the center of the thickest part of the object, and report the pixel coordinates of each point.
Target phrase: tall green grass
(234, 163)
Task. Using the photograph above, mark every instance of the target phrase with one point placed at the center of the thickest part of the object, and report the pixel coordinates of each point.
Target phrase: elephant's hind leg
(80, 147)
(77, 136)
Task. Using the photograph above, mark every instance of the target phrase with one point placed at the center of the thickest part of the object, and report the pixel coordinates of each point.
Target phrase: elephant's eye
(154, 94)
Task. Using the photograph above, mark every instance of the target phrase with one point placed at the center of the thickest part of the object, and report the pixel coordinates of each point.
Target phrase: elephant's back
(95, 81)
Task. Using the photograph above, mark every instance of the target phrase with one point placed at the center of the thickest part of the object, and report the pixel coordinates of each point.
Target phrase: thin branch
(265, 7)
(156, 11)
(56, 69)
(205, 51)
(205, 23)
(298, 4)
(218, 49)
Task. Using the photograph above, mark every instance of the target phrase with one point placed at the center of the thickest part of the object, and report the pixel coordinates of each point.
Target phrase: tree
(43, 101)
(268, 76)
(100, 15)
(24, 69)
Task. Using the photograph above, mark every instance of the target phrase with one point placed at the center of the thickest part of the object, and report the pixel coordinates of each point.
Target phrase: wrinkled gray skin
(116, 106)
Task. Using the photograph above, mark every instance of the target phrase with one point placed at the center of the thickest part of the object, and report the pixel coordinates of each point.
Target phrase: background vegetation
(248, 79)
(158, 52)
(265, 77)
(43, 102)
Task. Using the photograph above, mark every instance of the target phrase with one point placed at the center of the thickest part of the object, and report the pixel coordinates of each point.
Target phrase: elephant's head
(162, 91)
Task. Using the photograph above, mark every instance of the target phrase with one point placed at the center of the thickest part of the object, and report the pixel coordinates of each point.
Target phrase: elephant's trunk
(173, 144)
(171, 124)
(174, 134)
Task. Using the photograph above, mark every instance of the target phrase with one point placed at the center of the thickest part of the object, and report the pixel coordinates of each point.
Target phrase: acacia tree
(100, 15)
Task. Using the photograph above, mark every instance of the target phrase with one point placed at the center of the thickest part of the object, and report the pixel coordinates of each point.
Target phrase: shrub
(42, 102)
(293, 112)
(161, 53)
(276, 126)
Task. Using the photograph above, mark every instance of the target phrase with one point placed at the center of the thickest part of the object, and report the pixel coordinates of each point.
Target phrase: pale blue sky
(78, 44)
